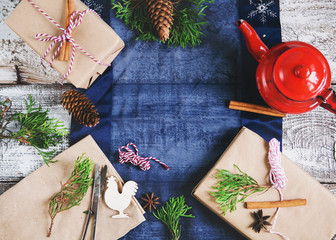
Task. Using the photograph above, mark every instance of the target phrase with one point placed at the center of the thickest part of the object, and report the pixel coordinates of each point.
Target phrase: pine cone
(161, 16)
(81, 108)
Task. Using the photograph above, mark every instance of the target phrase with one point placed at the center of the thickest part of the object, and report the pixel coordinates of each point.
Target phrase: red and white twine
(75, 20)
(277, 177)
(128, 155)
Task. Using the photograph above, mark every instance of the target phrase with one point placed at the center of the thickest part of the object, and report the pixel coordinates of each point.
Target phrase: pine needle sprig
(188, 23)
(189, 20)
(233, 188)
(134, 14)
(36, 128)
(171, 213)
(73, 190)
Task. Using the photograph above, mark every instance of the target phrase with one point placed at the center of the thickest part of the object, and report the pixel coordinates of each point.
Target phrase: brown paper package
(93, 35)
(24, 207)
(316, 220)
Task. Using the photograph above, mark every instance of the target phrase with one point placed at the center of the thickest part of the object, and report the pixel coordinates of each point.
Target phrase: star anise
(150, 201)
(260, 221)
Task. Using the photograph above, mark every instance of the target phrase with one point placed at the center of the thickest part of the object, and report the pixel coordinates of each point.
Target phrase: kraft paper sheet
(24, 207)
(316, 220)
(93, 35)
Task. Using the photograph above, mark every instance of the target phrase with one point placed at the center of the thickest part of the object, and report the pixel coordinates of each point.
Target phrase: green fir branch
(47, 155)
(36, 128)
(171, 213)
(233, 188)
(189, 20)
(73, 191)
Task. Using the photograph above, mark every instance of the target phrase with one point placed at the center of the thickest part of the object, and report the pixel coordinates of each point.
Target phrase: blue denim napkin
(173, 104)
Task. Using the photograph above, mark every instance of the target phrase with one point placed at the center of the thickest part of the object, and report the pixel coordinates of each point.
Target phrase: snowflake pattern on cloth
(261, 9)
(98, 8)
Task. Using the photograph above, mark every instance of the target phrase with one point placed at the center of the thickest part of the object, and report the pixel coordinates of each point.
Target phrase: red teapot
(292, 77)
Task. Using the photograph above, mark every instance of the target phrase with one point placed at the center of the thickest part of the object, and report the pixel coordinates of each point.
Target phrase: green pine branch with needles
(36, 128)
(171, 213)
(188, 20)
(233, 188)
(73, 190)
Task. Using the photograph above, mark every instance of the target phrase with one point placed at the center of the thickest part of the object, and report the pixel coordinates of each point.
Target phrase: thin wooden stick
(65, 49)
(276, 204)
(68, 44)
(66, 16)
(248, 107)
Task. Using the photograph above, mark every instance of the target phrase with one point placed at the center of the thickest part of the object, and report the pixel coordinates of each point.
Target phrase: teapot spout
(254, 45)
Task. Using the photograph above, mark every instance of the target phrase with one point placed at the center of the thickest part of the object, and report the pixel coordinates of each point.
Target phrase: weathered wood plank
(8, 75)
(24, 75)
(331, 187)
(4, 186)
(308, 139)
(312, 22)
(13, 51)
(18, 160)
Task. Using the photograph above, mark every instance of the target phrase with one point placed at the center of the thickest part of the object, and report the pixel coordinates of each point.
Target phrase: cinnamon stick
(66, 16)
(248, 107)
(71, 9)
(276, 204)
(65, 49)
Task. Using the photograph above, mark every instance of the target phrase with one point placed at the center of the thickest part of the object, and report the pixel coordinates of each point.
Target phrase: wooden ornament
(119, 201)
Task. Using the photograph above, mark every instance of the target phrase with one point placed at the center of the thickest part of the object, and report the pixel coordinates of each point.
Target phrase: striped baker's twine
(277, 177)
(128, 155)
(277, 173)
(74, 22)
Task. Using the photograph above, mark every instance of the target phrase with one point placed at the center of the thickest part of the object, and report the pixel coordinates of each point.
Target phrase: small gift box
(24, 207)
(316, 220)
(95, 43)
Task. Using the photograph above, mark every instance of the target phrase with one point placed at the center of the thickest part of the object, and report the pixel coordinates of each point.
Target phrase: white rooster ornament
(119, 201)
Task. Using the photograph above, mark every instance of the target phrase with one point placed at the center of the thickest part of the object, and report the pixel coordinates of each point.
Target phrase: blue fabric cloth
(172, 103)
(264, 17)
(100, 94)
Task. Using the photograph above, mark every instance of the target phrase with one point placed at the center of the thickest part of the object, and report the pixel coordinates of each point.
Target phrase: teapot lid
(301, 73)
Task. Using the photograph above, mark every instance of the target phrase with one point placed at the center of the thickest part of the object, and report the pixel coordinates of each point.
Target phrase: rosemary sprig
(171, 213)
(189, 19)
(36, 128)
(73, 191)
(232, 186)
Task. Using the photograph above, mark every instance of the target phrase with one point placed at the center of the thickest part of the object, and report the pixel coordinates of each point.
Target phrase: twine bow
(128, 155)
(76, 19)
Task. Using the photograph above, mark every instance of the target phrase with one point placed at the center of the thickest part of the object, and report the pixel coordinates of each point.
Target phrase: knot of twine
(128, 155)
(277, 176)
(76, 19)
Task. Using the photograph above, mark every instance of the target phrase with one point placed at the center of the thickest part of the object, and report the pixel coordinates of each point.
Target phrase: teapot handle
(329, 101)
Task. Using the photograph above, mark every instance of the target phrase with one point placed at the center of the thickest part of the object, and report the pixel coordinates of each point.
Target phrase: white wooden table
(308, 139)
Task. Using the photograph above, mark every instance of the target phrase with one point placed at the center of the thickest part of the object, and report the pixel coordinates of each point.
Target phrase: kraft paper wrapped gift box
(316, 220)
(24, 207)
(93, 35)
